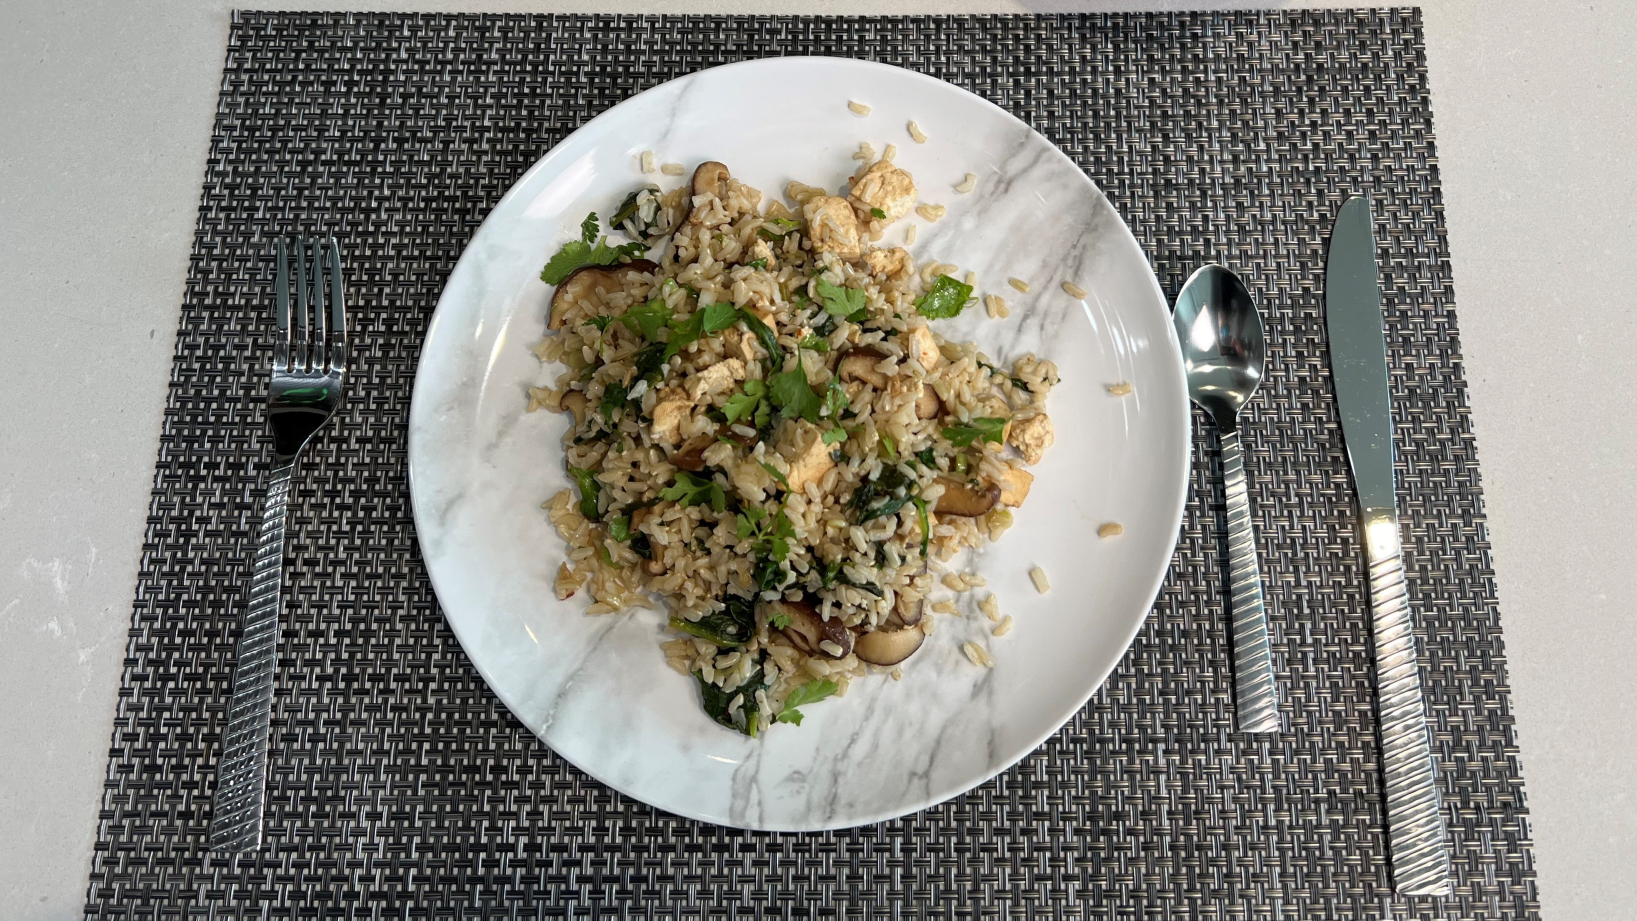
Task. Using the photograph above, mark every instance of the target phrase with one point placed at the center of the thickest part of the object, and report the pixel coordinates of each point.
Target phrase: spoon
(1222, 352)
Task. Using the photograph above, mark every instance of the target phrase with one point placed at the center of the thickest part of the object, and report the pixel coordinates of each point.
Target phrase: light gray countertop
(104, 128)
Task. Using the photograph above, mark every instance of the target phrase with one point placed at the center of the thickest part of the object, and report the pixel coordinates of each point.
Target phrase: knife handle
(1415, 817)
(1256, 701)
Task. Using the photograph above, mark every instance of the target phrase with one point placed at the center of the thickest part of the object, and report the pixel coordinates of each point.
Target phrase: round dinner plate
(596, 688)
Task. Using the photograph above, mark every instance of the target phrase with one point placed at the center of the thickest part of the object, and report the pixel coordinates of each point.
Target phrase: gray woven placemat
(400, 787)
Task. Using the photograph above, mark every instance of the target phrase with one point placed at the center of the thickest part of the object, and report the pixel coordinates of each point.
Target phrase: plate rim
(1178, 494)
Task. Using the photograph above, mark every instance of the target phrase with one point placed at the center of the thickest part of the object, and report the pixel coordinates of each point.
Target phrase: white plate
(596, 689)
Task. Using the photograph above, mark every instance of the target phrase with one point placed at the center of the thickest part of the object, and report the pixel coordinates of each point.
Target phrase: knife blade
(1417, 840)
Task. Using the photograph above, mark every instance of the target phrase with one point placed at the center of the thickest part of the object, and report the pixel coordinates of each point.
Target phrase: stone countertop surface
(107, 118)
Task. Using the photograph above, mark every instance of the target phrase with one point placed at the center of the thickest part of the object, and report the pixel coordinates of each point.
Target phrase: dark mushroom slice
(642, 216)
(909, 613)
(810, 633)
(691, 456)
(859, 365)
(587, 281)
(928, 405)
(709, 177)
(889, 647)
(969, 499)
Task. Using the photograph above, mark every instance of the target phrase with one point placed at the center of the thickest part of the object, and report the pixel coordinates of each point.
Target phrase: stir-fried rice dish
(770, 436)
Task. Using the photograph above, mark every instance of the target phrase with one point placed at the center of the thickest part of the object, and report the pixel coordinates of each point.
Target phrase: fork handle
(1416, 837)
(241, 775)
(1256, 702)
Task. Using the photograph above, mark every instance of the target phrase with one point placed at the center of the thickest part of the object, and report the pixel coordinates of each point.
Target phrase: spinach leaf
(765, 336)
(926, 523)
(947, 298)
(590, 487)
(613, 398)
(716, 701)
(810, 693)
(649, 360)
(620, 528)
(642, 546)
(732, 626)
(984, 428)
(926, 457)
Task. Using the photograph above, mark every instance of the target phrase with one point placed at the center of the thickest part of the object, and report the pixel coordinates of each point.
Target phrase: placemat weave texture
(400, 787)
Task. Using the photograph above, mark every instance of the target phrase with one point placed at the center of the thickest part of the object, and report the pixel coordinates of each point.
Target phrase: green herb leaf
(758, 264)
(578, 253)
(649, 359)
(962, 464)
(814, 343)
(985, 428)
(835, 400)
(732, 626)
(601, 321)
(743, 405)
(620, 528)
(889, 449)
(947, 298)
(607, 558)
(839, 301)
(716, 700)
(779, 620)
(613, 398)
(781, 226)
(878, 214)
(834, 435)
(773, 472)
(790, 392)
(926, 523)
(927, 458)
(765, 336)
(719, 316)
(590, 487)
(694, 490)
(810, 693)
(588, 228)
(648, 318)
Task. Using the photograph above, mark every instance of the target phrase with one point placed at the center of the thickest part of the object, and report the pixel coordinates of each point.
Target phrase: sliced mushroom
(909, 612)
(927, 405)
(691, 456)
(583, 282)
(575, 402)
(889, 647)
(968, 499)
(708, 178)
(859, 365)
(808, 632)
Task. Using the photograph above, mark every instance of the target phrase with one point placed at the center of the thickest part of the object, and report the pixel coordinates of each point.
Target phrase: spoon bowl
(1222, 346)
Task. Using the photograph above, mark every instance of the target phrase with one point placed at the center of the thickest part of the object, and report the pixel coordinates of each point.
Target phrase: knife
(1358, 364)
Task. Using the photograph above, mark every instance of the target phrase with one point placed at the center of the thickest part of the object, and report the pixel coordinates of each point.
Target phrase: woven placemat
(400, 787)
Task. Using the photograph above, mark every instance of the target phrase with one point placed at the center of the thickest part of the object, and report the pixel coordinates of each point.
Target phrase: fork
(309, 379)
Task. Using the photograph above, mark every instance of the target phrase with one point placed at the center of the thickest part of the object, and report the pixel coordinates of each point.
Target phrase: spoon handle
(1255, 698)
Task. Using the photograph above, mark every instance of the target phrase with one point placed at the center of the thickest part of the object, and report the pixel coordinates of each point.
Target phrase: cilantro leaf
(590, 487)
(780, 620)
(620, 528)
(889, 449)
(601, 321)
(839, 301)
(718, 316)
(984, 428)
(695, 490)
(773, 472)
(810, 693)
(814, 343)
(793, 395)
(743, 405)
(947, 298)
(578, 253)
(648, 318)
(835, 400)
(758, 264)
(878, 214)
(834, 435)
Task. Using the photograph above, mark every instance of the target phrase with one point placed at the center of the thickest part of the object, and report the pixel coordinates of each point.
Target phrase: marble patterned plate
(596, 689)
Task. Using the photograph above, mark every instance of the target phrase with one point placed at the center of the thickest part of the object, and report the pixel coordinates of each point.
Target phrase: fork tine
(281, 308)
(338, 321)
(299, 359)
(319, 320)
